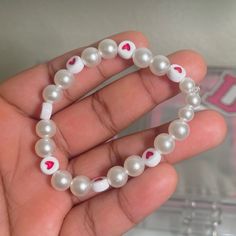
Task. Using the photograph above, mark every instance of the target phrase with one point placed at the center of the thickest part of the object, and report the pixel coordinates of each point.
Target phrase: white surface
(34, 31)
(46, 111)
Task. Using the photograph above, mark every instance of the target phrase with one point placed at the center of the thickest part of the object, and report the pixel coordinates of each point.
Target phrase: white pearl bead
(142, 57)
(179, 129)
(46, 111)
(164, 143)
(187, 85)
(134, 165)
(49, 165)
(117, 176)
(126, 49)
(151, 157)
(75, 64)
(186, 113)
(52, 93)
(193, 100)
(108, 48)
(44, 147)
(91, 56)
(61, 180)
(80, 186)
(100, 184)
(63, 78)
(160, 65)
(176, 73)
(46, 128)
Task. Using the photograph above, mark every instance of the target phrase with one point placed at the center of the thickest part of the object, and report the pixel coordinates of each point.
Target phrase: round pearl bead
(80, 186)
(52, 93)
(160, 65)
(108, 48)
(134, 165)
(91, 56)
(44, 147)
(179, 129)
(61, 180)
(142, 57)
(46, 128)
(63, 78)
(186, 113)
(193, 100)
(117, 176)
(164, 143)
(186, 85)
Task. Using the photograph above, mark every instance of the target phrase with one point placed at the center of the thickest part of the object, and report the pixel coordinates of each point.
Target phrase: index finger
(25, 89)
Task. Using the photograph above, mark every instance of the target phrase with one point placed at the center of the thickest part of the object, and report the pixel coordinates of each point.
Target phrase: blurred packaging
(205, 199)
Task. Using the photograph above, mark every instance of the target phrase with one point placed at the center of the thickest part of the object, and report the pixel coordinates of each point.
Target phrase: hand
(28, 203)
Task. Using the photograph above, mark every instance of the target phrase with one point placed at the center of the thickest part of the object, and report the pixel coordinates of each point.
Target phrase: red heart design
(149, 154)
(49, 164)
(126, 47)
(179, 69)
(72, 61)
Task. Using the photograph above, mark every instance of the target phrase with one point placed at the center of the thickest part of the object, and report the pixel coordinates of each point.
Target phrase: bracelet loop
(134, 165)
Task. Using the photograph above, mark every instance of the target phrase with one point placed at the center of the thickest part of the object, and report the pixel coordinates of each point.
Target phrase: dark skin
(30, 206)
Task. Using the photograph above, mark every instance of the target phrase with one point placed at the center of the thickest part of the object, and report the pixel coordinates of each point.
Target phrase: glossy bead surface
(164, 143)
(179, 129)
(134, 165)
(64, 78)
(75, 65)
(91, 56)
(61, 180)
(117, 176)
(186, 113)
(193, 99)
(52, 93)
(108, 48)
(49, 165)
(160, 65)
(44, 147)
(142, 57)
(80, 185)
(186, 85)
(151, 157)
(46, 111)
(46, 128)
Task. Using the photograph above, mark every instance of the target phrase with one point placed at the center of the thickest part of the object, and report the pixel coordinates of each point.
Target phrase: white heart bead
(49, 165)
(151, 157)
(46, 111)
(126, 49)
(100, 184)
(176, 73)
(75, 65)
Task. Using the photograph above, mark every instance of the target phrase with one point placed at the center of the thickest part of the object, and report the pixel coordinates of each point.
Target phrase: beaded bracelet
(134, 165)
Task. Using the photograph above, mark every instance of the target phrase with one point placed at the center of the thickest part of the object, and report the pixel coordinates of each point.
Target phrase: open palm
(30, 206)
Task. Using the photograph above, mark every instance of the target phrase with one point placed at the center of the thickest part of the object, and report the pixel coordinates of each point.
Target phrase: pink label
(223, 96)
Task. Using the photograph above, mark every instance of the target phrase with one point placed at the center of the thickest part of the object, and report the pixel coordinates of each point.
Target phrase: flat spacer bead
(46, 111)
(100, 184)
